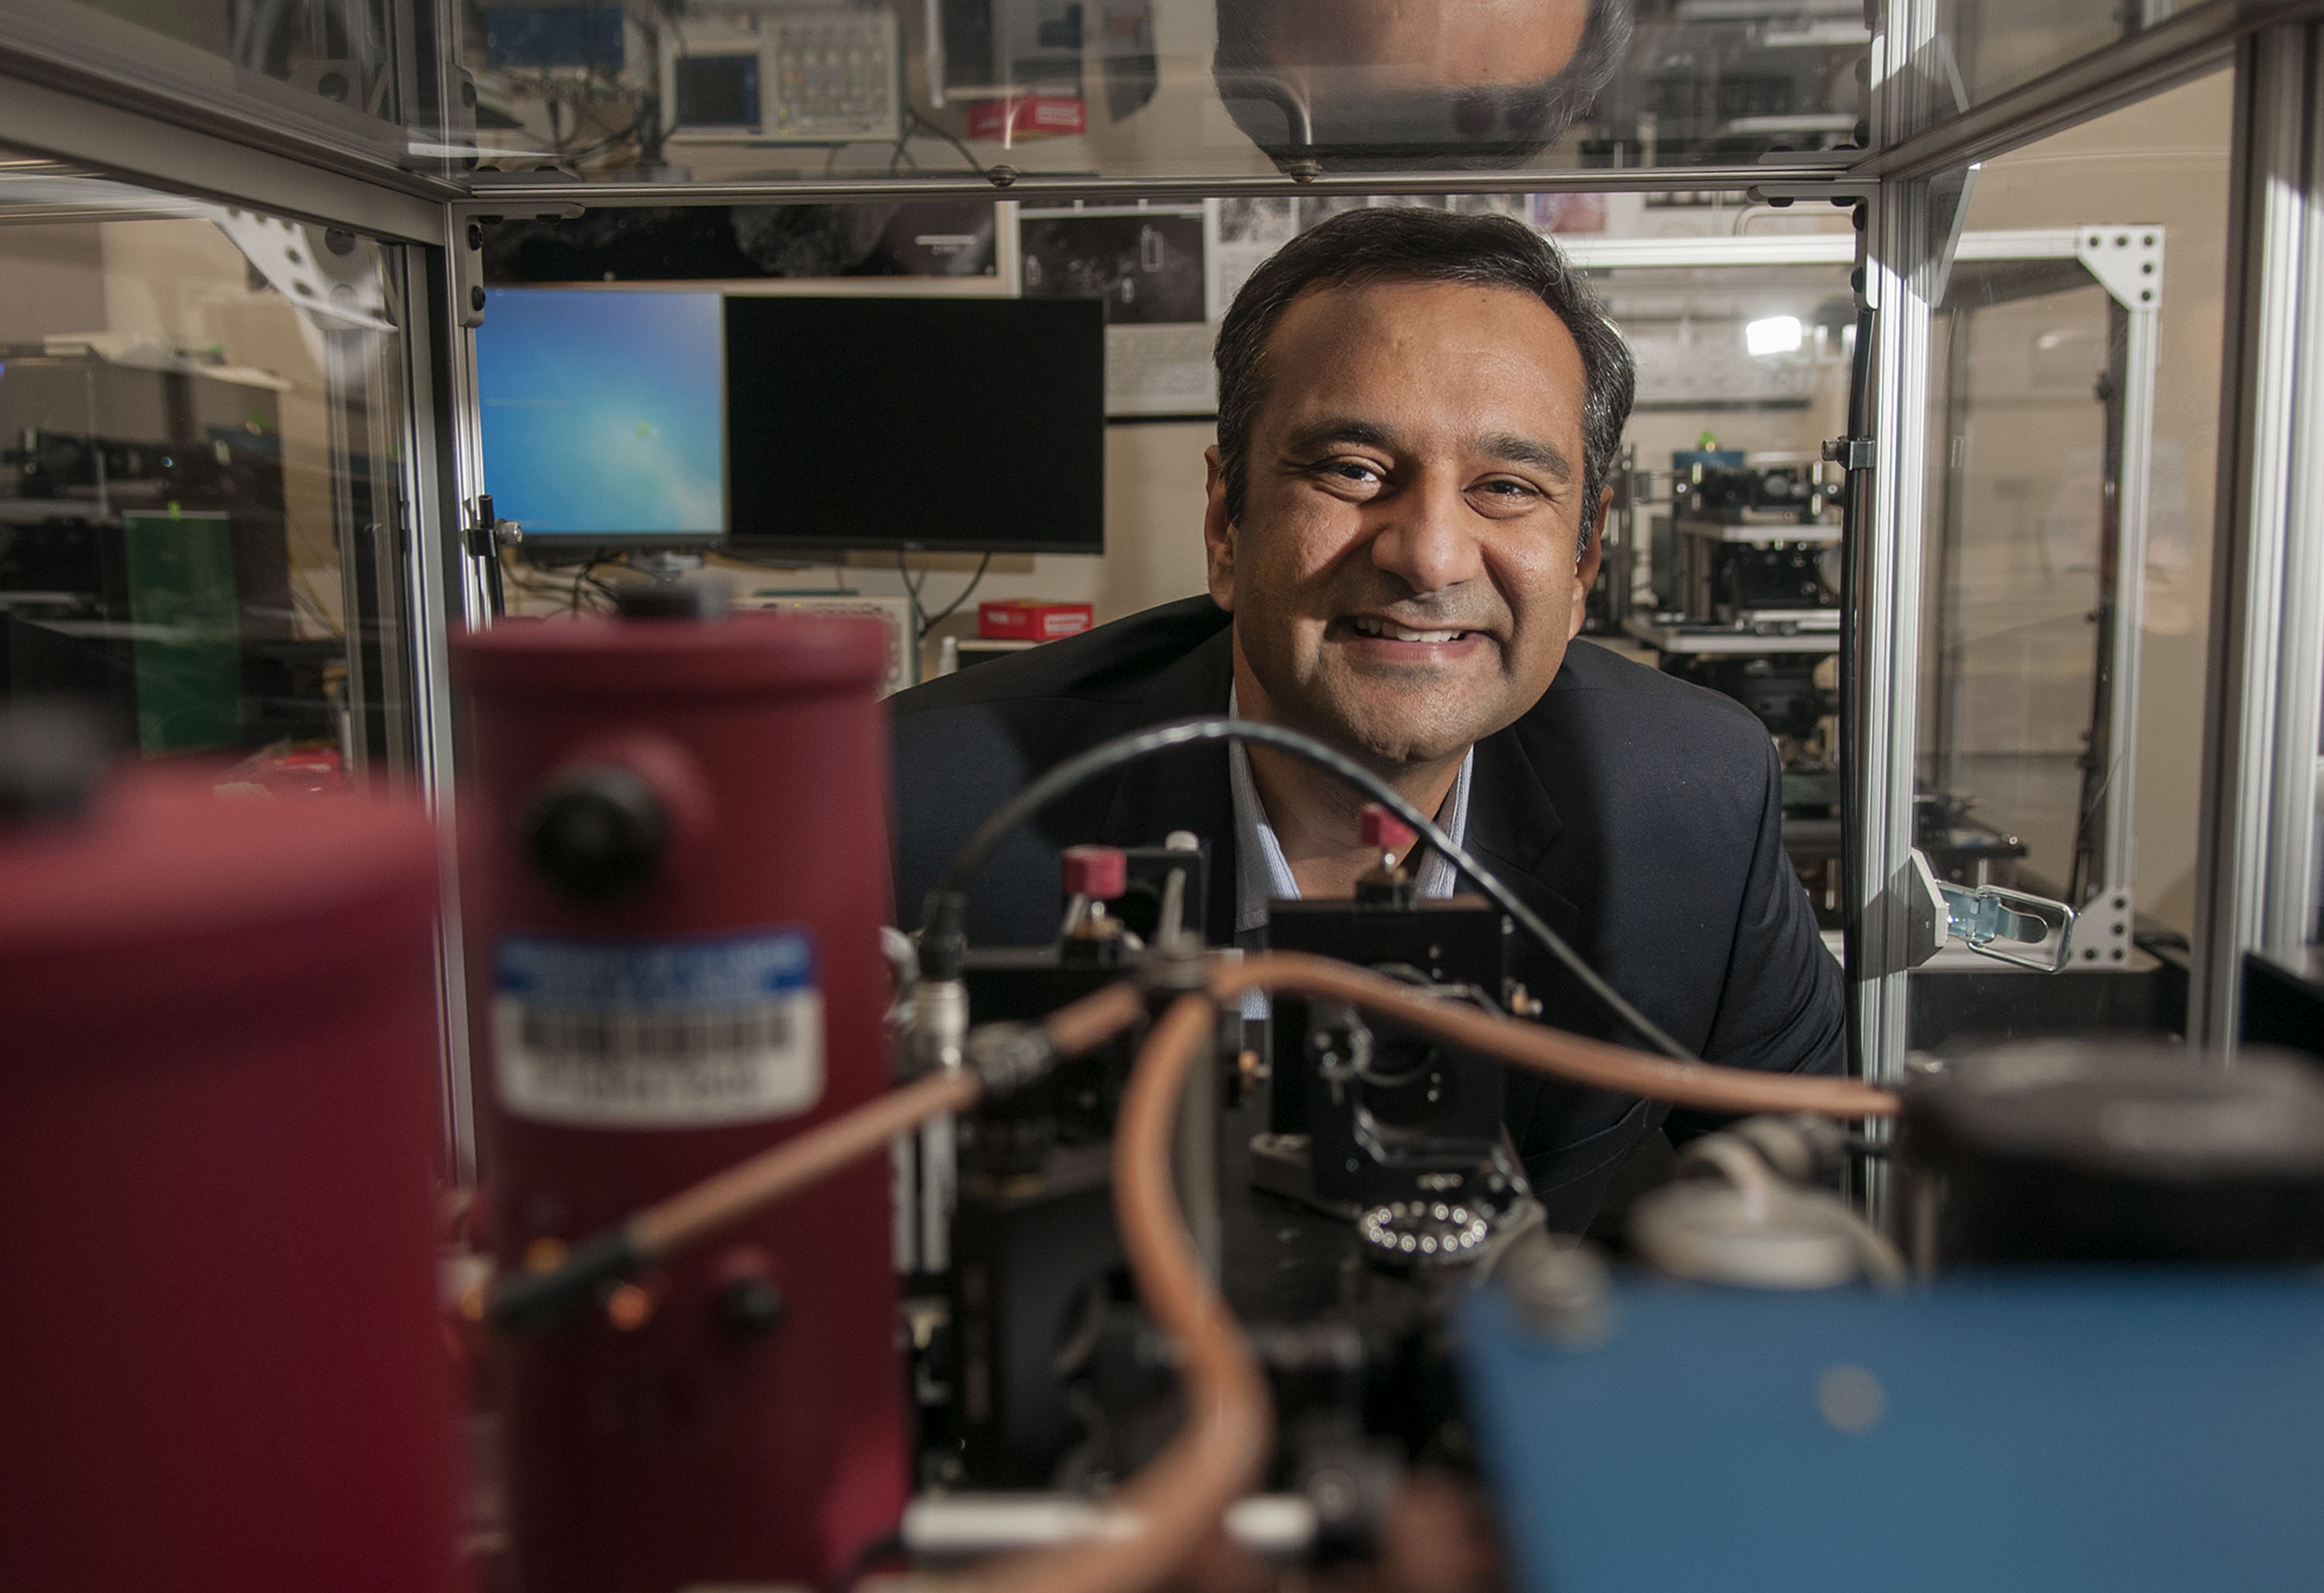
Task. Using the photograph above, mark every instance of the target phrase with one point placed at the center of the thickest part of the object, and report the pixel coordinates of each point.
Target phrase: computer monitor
(975, 425)
(603, 416)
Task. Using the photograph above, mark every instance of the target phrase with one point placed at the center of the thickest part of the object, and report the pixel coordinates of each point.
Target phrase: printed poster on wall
(1146, 264)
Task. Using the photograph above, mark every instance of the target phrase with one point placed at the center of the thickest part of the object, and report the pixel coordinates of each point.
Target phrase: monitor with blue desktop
(628, 420)
(604, 417)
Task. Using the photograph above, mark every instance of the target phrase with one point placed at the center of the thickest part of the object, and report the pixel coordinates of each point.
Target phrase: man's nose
(1430, 541)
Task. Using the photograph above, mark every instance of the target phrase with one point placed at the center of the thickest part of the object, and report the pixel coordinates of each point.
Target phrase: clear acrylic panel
(202, 421)
(1722, 556)
(1165, 87)
(376, 77)
(1982, 48)
(2073, 411)
(2024, 352)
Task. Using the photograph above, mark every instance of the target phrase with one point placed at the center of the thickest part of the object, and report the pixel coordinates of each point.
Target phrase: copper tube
(1083, 1026)
(1176, 1500)
(1698, 1084)
(696, 1212)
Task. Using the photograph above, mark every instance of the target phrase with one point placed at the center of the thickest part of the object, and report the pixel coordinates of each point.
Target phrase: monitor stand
(666, 567)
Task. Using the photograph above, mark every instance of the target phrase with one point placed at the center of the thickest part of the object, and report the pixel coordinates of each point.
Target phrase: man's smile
(1377, 636)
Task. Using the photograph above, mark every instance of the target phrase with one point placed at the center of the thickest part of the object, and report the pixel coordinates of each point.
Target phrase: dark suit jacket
(1638, 815)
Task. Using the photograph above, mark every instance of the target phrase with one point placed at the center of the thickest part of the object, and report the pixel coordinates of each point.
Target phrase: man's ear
(1585, 568)
(1218, 533)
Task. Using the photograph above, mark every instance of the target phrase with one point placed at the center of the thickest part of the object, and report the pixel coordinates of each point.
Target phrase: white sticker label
(659, 1034)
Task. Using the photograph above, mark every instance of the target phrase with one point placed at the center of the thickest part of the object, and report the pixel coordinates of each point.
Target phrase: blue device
(2055, 1432)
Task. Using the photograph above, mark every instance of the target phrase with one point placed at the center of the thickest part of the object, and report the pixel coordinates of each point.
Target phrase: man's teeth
(1394, 632)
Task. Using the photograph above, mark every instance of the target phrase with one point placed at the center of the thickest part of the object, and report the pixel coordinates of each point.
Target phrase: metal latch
(2007, 926)
(1849, 453)
(488, 533)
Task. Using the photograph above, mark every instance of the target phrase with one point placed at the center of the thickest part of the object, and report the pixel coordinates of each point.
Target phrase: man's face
(1403, 581)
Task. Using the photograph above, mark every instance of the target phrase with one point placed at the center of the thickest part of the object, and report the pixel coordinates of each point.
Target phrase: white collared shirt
(1262, 874)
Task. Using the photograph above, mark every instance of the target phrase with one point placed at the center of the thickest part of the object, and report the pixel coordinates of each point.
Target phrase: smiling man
(1418, 412)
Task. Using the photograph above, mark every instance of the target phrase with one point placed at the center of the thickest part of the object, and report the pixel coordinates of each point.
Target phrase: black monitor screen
(976, 423)
(717, 91)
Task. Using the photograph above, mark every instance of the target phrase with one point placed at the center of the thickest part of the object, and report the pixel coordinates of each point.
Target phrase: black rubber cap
(53, 756)
(597, 833)
(671, 600)
(751, 1306)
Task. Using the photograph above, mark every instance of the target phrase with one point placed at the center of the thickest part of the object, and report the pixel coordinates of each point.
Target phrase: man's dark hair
(1406, 244)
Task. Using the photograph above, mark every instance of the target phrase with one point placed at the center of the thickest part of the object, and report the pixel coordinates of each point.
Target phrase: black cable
(916, 122)
(921, 617)
(952, 139)
(942, 926)
(953, 607)
(911, 121)
(912, 594)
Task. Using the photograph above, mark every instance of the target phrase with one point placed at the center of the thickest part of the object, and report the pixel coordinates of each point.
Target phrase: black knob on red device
(596, 832)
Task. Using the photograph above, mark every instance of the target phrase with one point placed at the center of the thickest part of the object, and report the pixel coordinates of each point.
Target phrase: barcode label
(663, 1035)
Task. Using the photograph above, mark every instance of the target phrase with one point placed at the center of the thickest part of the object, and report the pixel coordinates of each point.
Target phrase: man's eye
(1354, 471)
(1509, 489)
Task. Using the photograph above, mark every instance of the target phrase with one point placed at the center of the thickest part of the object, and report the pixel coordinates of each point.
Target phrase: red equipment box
(990, 121)
(1021, 619)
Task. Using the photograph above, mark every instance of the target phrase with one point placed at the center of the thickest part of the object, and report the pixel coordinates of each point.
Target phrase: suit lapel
(1514, 828)
(1510, 813)
(1186, 789)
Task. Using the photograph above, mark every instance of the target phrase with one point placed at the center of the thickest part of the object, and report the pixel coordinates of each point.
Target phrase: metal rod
(2268, 218)
(491, 193)
(2288, 922)
(1882, 704)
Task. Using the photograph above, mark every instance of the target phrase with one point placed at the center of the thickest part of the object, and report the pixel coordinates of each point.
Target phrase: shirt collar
(1262, 874)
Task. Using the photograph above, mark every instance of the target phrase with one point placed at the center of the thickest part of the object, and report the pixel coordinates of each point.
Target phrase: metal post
(2267, 504)
(433, 583)
(2289, 902)
(1880, 662)
(464, 463)
(1885, 601)
(2127, 262)
(351, 533)
(2134, 493)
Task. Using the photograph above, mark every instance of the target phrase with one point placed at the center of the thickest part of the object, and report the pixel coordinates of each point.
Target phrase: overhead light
(1773, 335)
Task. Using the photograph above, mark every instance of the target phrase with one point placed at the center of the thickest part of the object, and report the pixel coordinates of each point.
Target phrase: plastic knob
(1384, 831)
(597, 832)
(1099, 872)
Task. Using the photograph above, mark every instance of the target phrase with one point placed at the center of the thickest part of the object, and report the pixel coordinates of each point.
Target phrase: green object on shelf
(186, 630)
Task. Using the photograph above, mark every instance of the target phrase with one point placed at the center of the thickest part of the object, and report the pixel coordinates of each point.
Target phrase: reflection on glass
(2020, 575)
(201, 411)
(366, 73)
(1985, 48)
(1372, 85)
(1164, 87)
(2073, 391)
(1721, 553)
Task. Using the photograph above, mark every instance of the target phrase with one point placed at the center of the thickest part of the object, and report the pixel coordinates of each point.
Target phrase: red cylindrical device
(675, 847)
(221, 1363)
